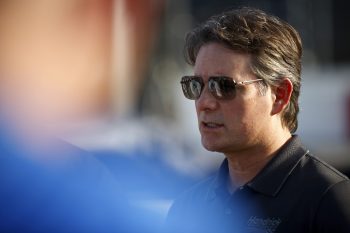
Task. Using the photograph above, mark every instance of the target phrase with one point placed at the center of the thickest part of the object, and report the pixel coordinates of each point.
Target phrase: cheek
(257, 116)
(246, 117)
(234, 111)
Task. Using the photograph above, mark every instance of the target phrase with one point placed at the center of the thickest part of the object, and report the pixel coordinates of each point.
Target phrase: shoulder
(324, 165)
(331, 193)
(333, 214)
(320, 172)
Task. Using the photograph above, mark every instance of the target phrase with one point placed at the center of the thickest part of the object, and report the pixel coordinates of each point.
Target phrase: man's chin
(211, 147)
(219, 148)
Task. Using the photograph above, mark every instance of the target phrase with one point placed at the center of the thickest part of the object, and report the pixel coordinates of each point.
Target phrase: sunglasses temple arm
(249, 81)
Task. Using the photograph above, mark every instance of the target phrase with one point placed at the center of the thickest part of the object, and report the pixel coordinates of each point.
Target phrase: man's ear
(282, 94)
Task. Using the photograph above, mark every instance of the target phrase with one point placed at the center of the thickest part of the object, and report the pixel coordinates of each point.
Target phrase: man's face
(230, 126)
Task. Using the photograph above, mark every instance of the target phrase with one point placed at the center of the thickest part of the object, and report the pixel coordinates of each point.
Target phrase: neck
(245, 165)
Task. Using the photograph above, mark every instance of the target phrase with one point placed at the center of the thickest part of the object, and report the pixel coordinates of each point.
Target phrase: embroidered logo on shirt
(266, 225)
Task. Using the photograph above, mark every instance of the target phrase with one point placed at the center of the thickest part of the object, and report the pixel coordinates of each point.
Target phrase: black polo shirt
(295, 192)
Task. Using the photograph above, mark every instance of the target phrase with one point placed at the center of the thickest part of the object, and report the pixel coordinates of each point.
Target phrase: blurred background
(104, 76)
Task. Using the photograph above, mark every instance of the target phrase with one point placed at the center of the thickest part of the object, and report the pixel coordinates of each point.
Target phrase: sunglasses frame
(214, 86)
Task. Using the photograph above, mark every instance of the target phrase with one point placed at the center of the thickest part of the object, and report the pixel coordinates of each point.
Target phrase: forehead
(216, 59)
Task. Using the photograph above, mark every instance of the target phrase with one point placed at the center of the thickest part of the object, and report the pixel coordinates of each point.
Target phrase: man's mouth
(212, 125)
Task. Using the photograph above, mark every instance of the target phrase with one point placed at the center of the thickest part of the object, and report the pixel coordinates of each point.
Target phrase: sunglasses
(221, 87)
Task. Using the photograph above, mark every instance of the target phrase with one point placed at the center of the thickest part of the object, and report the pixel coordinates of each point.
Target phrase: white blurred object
(323, 118)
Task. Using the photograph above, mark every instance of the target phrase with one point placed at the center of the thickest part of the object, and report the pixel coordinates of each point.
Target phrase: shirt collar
(272, 177)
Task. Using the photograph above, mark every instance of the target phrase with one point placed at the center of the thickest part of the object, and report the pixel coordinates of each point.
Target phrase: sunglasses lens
(191, 87)
(222, 87)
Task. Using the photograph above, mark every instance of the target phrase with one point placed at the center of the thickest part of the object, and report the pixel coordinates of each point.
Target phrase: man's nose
(206, 101)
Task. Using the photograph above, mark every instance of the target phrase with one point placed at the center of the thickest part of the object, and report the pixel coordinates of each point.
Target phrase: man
(247, 67)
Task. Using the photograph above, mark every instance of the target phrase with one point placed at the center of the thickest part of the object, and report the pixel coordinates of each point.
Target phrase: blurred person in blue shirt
(50, 185)
(57, 187)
